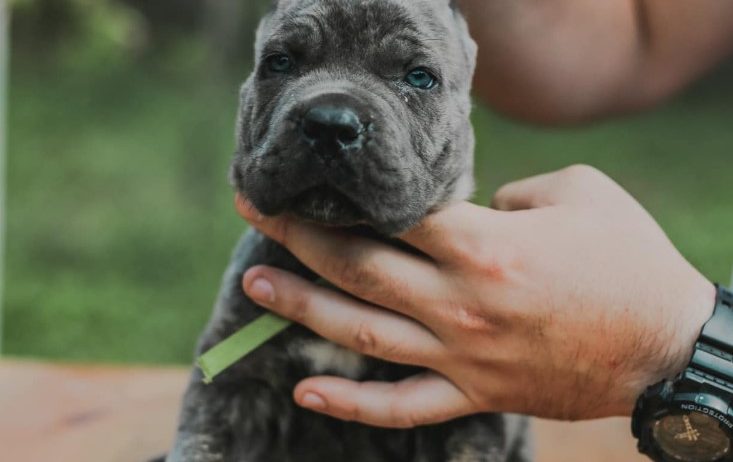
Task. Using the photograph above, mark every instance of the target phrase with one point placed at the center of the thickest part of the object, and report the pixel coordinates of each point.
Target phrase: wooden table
(89, 413)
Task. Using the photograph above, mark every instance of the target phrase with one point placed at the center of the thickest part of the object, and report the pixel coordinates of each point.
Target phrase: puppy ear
(281, 3)
(470, 48)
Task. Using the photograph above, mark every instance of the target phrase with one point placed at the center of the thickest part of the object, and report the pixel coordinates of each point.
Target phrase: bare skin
(570, 61)
(565, 303)
(566, 299)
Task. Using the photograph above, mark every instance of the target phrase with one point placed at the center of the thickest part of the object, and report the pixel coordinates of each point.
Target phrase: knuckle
(351, 413)
(501, 195)
(581, 172)
(299, 307)
(401, 418)
(394, 293)
(584, 179)
(365, 341)
(351, 270)
(489, 265)
(471, 321)
(361, 274)
(468, 319)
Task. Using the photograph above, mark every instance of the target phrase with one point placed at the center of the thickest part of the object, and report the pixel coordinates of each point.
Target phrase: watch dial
(691, 437)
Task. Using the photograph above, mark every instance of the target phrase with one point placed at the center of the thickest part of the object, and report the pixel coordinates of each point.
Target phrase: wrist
(696, 308)
(670, 354)
(690, 418)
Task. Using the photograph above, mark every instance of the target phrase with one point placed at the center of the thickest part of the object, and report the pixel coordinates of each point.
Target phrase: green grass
(120, 217)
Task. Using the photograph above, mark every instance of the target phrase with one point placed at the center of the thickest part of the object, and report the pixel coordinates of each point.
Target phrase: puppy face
(357, 112)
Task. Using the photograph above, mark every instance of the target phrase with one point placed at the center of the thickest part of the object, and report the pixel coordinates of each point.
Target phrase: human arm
(565, 303)
(570, 61)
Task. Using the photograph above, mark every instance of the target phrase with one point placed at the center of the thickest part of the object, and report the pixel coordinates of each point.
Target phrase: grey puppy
(357, 115)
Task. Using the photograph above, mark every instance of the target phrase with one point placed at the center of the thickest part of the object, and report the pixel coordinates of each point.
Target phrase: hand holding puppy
(565, 301)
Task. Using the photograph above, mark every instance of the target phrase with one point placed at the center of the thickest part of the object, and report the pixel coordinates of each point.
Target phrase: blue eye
(280, 63)
(421, 78)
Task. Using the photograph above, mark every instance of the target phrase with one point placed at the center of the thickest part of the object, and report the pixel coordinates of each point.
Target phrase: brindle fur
(417, 157)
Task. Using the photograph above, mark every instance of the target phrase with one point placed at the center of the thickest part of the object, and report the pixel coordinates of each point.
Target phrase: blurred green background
(120, 218)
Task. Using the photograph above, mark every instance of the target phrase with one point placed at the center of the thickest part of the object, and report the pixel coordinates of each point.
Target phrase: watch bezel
(662, 401)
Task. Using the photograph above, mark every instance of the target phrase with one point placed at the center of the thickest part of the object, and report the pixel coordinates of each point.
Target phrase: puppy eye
(279, 63)
(421, 78)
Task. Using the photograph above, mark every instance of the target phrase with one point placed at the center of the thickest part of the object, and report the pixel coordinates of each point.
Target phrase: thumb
(577, 185)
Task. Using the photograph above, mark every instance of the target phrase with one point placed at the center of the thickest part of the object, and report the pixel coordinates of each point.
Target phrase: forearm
(565, 61)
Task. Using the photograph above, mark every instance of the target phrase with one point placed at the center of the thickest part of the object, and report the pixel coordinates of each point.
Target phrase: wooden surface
(69, 413)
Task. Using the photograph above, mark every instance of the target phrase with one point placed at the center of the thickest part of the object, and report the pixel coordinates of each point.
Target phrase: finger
(578, 184)
(344, 320)
(365, 268)
(424, 399)
(454, 232)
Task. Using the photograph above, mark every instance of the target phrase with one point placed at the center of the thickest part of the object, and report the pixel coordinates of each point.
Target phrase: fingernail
(262, 291)
(313, 401)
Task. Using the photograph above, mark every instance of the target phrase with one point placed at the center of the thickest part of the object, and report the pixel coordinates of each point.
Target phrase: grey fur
(416, 156)
(419, 144)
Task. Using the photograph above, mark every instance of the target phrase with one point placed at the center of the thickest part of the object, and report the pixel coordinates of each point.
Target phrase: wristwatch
(690, 418)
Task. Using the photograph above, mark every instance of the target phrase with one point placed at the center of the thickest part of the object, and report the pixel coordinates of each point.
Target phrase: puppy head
(357, 112)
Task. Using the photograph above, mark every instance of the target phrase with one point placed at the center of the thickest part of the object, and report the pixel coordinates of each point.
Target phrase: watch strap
(713, 357)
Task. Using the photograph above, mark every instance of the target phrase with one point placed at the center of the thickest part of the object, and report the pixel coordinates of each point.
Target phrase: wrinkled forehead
(415, 7)
(356, 27)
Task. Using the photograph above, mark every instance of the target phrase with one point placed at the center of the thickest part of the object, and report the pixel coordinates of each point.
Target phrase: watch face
(692, 437)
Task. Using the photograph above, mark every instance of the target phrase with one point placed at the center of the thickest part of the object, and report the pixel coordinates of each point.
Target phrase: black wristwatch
(690, 418)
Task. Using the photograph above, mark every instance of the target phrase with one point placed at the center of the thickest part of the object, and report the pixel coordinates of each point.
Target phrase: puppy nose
(332, 127)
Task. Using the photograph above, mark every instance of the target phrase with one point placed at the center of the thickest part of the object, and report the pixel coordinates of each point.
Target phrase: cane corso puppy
(356, 115)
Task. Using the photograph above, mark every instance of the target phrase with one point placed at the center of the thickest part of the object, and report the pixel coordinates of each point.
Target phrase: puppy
(357, 113)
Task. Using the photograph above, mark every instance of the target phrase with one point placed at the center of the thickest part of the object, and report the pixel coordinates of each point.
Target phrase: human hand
(565, 303)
